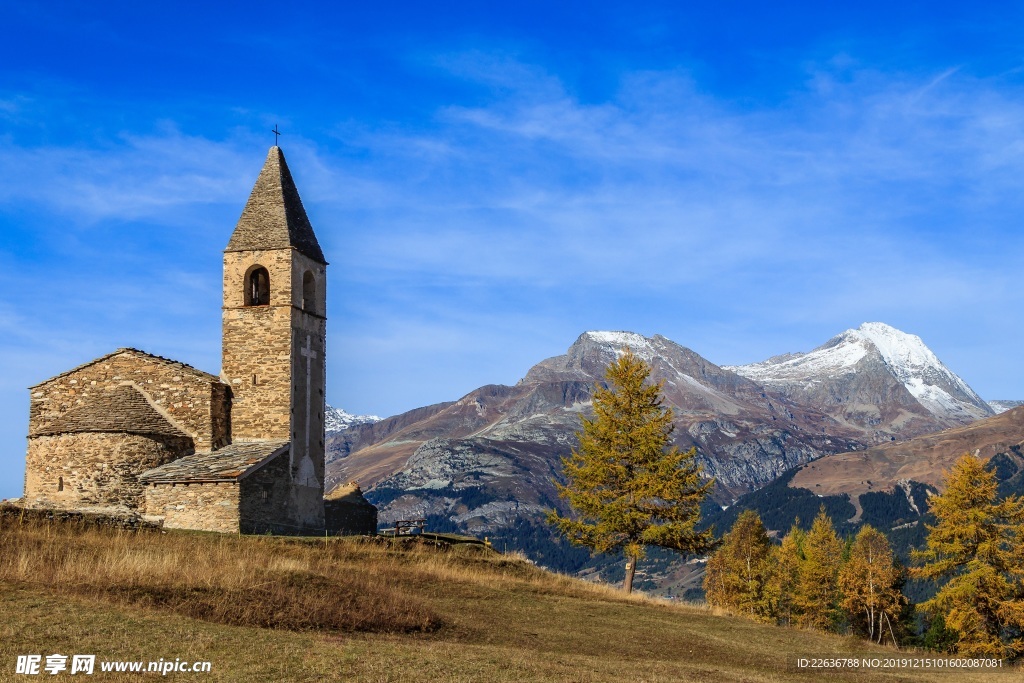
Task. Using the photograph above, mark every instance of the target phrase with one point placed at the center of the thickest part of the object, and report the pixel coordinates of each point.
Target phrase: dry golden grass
(265, 582)
(274, 609)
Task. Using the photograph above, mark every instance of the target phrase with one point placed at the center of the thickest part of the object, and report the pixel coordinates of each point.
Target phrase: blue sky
(488, 181)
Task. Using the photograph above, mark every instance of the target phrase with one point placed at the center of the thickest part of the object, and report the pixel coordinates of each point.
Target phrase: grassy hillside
(275, 609)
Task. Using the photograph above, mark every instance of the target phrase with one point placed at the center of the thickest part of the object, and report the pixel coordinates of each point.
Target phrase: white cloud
(137, 177)
(738, 228)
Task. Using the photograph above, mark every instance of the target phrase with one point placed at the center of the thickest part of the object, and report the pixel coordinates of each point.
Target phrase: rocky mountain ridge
(479, 462)
(485, 464)
(744, 435)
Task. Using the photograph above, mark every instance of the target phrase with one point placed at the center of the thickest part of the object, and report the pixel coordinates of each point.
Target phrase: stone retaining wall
(11, 513)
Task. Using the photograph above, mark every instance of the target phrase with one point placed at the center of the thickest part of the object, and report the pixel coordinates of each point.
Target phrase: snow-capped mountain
(485, 464)
(510, 439)
(338, 419)
(1003, 406)
(873, 375)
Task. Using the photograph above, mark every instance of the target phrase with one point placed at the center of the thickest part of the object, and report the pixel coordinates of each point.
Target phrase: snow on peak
(912, 363)
(637, 343)
(898, 349)
(1003, 406)
(338, 419)
(630, 339)
(837, 356)
(918, 368)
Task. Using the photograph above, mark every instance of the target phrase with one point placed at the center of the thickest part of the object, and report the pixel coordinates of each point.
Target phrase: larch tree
(784, 579)
(626, 488)
(737, 574)
(977, 546)
(817, 595)
(870, 583)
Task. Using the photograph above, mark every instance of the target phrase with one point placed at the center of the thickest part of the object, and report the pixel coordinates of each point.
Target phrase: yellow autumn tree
(870, 584)
(784, 579)
(627, 489)
(737, 574)
(977, 547)
(817, 592)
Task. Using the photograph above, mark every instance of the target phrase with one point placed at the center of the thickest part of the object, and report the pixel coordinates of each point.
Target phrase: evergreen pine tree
(976, 545)
(737, 574)
(817, 595)
(626, 488)
(938, 637)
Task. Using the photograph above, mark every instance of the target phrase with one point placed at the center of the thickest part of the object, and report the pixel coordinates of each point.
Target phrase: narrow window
(60, 483)
(308, 292)
(257, 287)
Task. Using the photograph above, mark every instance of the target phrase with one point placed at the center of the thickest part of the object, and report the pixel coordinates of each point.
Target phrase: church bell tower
(275, 306)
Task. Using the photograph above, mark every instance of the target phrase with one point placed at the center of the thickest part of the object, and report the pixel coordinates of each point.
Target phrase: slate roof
(124, 410)
(184, 367)
(273, 218)
(230, 463)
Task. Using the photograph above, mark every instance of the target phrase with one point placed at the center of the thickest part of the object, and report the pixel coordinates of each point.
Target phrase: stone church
(242, 452)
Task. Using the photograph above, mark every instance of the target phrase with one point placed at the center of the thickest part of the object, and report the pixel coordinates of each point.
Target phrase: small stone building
(348, 512)
(243, 451)
(242, 487)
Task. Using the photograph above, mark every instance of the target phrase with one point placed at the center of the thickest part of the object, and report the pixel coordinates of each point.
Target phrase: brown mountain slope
(372, 452)
(924, 459)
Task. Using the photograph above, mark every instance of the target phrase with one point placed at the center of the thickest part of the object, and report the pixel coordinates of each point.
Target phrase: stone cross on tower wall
(310, 355)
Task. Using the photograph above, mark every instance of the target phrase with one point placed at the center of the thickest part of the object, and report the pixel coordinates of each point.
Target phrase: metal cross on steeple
(276, 133)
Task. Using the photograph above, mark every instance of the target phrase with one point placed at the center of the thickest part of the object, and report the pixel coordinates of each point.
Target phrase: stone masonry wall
(344, 518)
(220, 415)
(270, 501)
(24, 514)
(274, 362)
(266, 501)
(95, 469)
(257, 346)
(309, 328)
(194, 401)
(206, 507)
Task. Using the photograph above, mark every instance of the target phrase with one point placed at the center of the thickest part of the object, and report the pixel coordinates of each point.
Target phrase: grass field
(275, 609)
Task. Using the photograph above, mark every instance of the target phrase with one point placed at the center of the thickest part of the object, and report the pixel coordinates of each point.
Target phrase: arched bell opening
(257, 287)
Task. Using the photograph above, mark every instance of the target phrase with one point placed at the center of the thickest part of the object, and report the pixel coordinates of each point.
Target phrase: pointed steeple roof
(273, 218)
